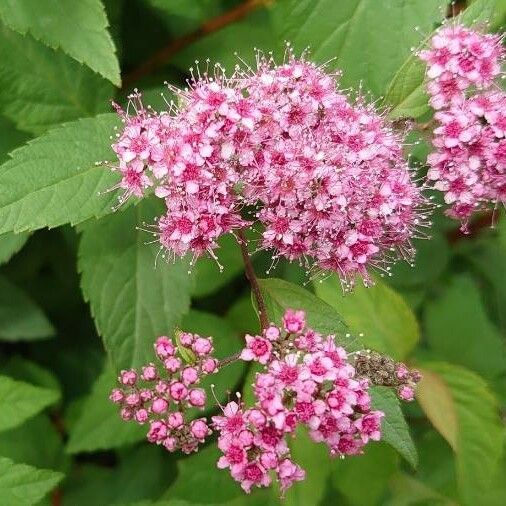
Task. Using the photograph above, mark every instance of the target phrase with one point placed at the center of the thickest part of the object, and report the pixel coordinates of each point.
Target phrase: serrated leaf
(22, 485)
(10, 244)
(41, 87)
(406, 92)
(395, 430)
(478, 439)
(379, 313)
(473, 341)
(367, 39)
(20, 401)
(78, 28)
(99, 425)
(10, 137)
(280, 295)
(54, 179)
(133, 300)
(20, 318)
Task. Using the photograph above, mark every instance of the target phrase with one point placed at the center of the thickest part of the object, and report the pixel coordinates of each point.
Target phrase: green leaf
(20, 401)
(408, 491)
(25, 444)
(379, 313)
(315, 460)
(78, 28)
(378, 464)
(478, 440)
(10, 137)
(133, 301)
(280, 295)
(406, 94)
(40, 87)
(367, 39)
(198, 471)
(22, 485)
(99, 425)
(20, 318)
(394, 427)
(473, 341)
(54, 179)
(10, 244)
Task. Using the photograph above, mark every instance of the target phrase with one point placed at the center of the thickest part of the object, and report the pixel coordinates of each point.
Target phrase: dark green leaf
(10, 244)
(54, 179)
(132, 300)
(20, 318)
(57, 22)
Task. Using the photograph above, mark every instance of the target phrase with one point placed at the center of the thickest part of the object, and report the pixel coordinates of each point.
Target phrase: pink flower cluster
(307, 381)
(159, 396)
(325, 176)
(469, 164)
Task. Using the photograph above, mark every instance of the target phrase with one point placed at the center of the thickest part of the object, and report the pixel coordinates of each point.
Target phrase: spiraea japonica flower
(322, 173)
(307, 381)
(469, 161)
(159, 395)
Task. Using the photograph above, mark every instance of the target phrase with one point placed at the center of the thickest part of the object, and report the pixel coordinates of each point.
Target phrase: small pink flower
(190, 375)
(202, 346)
(141, 416)
(157, 431)
(128, 377)
(257, 348)
(406, 393)
(175, 419)
(149, 373)
(164, 347)
(199, 429)
(197, 397)
(209, 365)
(178, 391)
(294, 321)
(159, 406)
(117, 396)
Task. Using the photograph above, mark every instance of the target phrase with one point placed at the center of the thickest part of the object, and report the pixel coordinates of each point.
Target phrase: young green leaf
(41, 87)
(477, 435)
(20, 401)
(99, 426)
(54, 179)
(280, 295)
(364, 38)
(133, 299)
(394, 426)
(22, 485)
(20, 318)
(78, 28)
(379, 313)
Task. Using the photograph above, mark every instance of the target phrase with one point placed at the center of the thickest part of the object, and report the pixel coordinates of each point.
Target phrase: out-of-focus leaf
(54, 179)
(133, 300)
(20, 318)
(348, 33)
(394, 426)
(78, 28)
(280, 295)
(20, 401)
(379, 313)
(470, 340)
(243, 317)
(22, 485)
(478, 440)
(40, 87)
(99, 426)
(408, 491)
(36, 443)
(378, 464)
(21, 369)
(405, 94)
(315, 460)
(10, 244)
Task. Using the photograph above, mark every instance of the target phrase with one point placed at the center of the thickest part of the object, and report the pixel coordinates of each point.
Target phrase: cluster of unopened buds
(160, 395)
(469, 164)
(307, 381)
(280, 144)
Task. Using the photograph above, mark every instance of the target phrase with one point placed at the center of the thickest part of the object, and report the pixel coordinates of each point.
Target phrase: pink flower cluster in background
(308, 381)
(469, 164)
(160, 395)
(325, 176)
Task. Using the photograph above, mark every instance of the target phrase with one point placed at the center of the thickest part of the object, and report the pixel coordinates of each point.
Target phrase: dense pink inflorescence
(469, 163)
(325, 176)
(308, 381)
(159, 395)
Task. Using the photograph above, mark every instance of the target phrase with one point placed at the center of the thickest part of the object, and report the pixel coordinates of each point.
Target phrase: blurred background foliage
(80, 296)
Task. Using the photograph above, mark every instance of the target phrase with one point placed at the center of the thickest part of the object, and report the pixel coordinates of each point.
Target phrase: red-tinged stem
(163, 55)
(252, 278)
